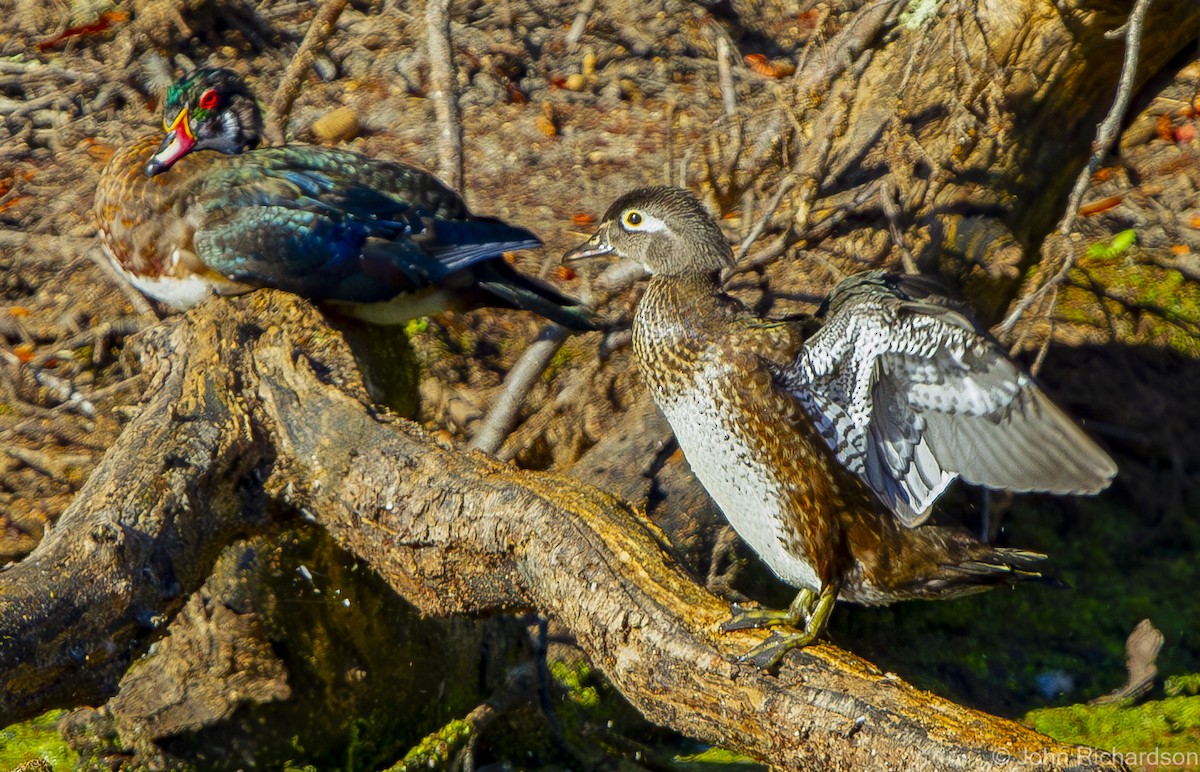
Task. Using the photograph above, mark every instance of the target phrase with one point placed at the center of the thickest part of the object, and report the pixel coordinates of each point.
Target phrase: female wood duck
(380, 241)
(827, 453)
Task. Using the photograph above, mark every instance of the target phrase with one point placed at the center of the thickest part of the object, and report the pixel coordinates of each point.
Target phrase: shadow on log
(255, 414)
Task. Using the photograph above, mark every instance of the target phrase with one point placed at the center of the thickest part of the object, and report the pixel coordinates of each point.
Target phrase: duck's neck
(676, 321)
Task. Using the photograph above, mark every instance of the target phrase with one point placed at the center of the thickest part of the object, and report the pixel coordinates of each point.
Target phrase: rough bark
(254, 410)
(944, 143)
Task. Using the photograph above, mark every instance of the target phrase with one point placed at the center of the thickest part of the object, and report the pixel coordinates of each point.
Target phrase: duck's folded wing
(330, 236)
(909, 394)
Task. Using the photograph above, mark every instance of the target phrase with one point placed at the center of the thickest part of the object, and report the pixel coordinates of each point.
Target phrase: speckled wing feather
(336, 226)
(911, 395)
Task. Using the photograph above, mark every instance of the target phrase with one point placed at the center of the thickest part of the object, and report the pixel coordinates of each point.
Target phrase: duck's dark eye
(633, 219)
(209, 99)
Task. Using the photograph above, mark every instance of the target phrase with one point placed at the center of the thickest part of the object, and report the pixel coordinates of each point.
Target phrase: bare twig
(16, 108)
(63, 468)
(500, 420)
(891, 210)
(435, 750)
(140, 305)
(34, 67)
(725, 76)
(444, 93)
(520, 379)
(579, 24)
(120, 327)
(785, 187)
(1106, 134)
(863, 29)
(314, 40)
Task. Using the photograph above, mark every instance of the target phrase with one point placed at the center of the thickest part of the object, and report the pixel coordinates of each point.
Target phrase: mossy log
(255, 413)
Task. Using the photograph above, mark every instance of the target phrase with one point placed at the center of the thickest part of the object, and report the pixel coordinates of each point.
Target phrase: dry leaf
(546, 122)
(1163, 128)
(779, 68)
(1103, 205)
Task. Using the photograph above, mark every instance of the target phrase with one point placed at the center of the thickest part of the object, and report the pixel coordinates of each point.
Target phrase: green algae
(37, 738)
(1186, 685)
(436, 750)
(716, 759)
(1169, 726)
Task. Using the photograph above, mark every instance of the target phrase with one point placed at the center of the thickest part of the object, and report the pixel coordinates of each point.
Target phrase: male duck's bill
(178, 143)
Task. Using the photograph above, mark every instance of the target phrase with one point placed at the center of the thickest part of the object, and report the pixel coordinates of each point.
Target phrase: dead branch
(579, 24)
(1106, 134)
(318, 34)
(725, 76)
(444, 92)
(252, 417)
(520, 379)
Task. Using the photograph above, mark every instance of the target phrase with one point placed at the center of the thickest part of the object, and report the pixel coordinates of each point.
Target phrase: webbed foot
(795, 615)
(768, 653)
(808, 608)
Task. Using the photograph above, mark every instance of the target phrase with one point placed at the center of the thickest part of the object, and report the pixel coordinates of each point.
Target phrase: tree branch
(314, 41)
(444, 93)
(1106, 134)
(250, 412)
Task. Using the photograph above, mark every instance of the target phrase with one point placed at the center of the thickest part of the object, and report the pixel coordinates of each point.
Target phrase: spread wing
(336, 226)
(911, 395)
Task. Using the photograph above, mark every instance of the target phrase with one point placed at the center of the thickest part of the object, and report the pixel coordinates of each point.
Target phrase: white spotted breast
(732, 468)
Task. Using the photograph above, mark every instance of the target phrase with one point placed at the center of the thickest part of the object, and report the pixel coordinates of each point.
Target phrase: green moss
(436, 750)
(575, 680)
(1119, 244)
(38, 738)
(1183, 685)
(1134, 299)
(562, 359)
(1168, 726)
(715, 759)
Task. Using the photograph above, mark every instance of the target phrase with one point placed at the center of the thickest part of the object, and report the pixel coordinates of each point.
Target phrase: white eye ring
(637, 221)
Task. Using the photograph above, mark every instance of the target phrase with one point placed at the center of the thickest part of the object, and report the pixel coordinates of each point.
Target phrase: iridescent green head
(207, 109)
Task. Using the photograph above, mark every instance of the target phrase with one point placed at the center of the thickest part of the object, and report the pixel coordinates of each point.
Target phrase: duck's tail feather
(509, 289)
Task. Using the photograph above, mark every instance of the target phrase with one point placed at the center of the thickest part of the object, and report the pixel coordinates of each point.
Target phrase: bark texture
(255, 409)
(943, 142)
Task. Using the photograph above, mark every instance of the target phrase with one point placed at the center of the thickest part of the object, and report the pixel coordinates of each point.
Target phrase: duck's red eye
(209, 99)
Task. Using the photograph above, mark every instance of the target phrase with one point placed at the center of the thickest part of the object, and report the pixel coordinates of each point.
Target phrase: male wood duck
(827, 453)
(379, 241)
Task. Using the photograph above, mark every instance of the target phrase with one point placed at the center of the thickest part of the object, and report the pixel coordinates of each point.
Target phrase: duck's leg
(816, 611)
(795, 615)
